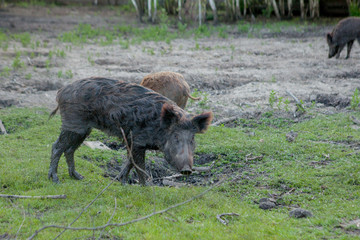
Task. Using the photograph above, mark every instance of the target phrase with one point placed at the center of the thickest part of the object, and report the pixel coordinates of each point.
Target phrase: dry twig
(130, 154)
(37, 197)
(298, 103)
(131, 221)
(249, 158)
(17, 233)
(355, 120)
(225, 221)
(224, 120)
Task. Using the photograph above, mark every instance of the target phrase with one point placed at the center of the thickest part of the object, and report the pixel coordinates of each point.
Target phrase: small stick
(225, 221)
(355, 120)
(2, 128)
(298, 103)
(202, 169)
(248, 158)
(17, 233)
(224, 120)
(37, 197)
(130, 154)
(173, 176)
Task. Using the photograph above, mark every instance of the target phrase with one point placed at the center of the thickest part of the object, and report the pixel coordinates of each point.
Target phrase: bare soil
(238, 72)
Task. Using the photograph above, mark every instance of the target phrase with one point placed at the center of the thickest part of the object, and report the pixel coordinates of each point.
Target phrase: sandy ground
(237, 73)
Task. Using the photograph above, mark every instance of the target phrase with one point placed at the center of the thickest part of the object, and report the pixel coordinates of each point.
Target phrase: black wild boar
(171, 85)
(345, 32)
(149, 120)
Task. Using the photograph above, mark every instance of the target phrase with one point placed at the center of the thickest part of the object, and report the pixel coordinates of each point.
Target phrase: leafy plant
(28, 76)
(59, 74)
(243, 27)
(5, 72)
(24, 38)
(17, 63)
(69, 74)
(272, 98)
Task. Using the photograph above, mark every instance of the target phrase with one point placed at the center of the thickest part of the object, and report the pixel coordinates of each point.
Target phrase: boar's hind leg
(339, 50)
(349, 46)
(74, 141)
(67, 143)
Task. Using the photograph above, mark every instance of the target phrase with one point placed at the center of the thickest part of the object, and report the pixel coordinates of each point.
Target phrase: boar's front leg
(139, 159)
(123, 175)
(349, 46)
(138, 155)
(341, 47)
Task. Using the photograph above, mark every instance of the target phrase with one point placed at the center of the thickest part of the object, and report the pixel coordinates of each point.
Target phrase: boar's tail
(53, 112)
(193, 98)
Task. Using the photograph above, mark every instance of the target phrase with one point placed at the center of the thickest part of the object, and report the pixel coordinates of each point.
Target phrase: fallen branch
(37, 197)
(225, 221)
(224, 120)
(131, 221)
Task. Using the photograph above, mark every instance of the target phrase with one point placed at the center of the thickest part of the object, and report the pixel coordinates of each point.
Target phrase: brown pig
(171, 85)
(345, 32)
(149, 121)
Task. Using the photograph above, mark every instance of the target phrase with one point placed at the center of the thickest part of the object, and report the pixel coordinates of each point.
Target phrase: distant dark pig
(345, 32)
(171, 85)
(149, 120)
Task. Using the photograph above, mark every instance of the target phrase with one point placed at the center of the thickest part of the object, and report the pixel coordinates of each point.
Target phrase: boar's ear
(202, 121)
(168, 115)
(329, 38)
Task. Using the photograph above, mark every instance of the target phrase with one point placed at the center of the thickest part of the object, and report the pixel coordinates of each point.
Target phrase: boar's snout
(186, 170)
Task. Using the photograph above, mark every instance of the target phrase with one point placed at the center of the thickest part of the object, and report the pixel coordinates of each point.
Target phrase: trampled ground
(235, 69)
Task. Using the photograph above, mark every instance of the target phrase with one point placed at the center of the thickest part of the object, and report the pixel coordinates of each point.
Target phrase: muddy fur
(345, 32)
(169, 84)
(149, 120)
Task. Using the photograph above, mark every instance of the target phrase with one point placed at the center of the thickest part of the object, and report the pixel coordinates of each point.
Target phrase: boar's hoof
(76, 175)
(54, 177)
(186, 170)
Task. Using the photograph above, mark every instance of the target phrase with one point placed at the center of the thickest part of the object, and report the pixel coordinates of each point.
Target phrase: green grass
(331, 192)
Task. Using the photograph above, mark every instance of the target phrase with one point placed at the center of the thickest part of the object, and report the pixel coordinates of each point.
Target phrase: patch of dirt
(332, 100)
(161, 171)
(237, 73)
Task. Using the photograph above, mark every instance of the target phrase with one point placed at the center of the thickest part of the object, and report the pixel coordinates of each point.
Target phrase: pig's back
(108, 104)
(346, 30)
